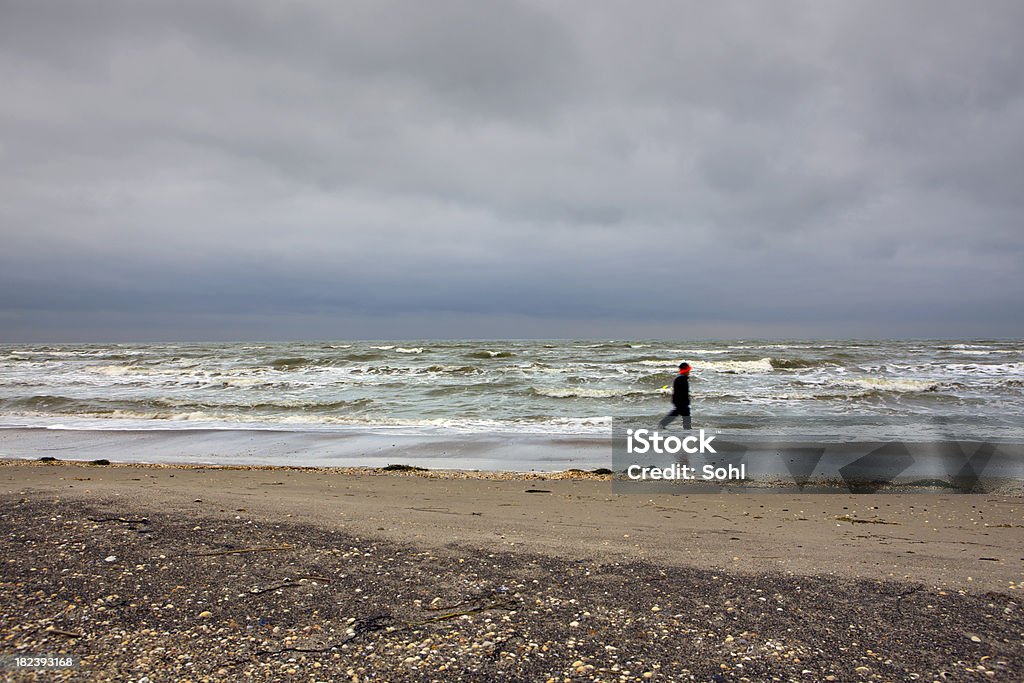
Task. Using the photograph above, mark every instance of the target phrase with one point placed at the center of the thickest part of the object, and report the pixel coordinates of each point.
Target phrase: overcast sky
(268, 170)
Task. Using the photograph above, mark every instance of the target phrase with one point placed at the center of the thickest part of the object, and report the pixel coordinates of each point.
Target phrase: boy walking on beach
(680, 398)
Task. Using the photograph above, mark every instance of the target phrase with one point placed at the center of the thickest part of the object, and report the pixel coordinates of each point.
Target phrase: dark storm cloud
(241, 169)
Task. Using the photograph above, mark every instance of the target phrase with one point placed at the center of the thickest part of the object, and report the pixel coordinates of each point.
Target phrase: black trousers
(676, 411)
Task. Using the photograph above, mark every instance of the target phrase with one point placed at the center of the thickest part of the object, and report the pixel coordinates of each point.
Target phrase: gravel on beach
(150, 595)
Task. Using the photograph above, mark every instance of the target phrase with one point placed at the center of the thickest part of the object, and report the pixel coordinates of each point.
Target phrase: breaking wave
(169, 409)
(490, 354)
(736, 367)
(893, 384)
(293, 363)
(798, 363)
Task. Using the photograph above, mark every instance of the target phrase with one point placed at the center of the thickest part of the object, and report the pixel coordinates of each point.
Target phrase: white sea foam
(904, 385)
(700, 352)
(136, 420)
(203, 417)
(980, 352)
(1002, 369)
(736, 367)
(769, 346)
(596, 421)
(587, 392)
(416, 349)
(116, 370)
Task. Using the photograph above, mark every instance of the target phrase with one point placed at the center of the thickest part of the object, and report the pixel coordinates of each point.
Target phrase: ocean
(516, 389)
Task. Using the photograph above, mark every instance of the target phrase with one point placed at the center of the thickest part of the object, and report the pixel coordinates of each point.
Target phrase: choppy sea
(511, 387)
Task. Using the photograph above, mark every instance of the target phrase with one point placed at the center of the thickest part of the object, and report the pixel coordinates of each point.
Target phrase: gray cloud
(247, 169)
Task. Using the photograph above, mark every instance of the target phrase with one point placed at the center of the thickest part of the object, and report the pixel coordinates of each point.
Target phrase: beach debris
(435, 605)
(854, 520)
(403, 468)
(291, 583)
(320, 579)
(445, 511)
(507, 604)
(271, 589)
(62, 632)
(263, 549)
(537, 491)
(100, 461)
(123, 520)
(47, 458)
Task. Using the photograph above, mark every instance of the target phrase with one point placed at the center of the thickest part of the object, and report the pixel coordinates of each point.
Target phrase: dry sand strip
(945, 541)
(208, 574)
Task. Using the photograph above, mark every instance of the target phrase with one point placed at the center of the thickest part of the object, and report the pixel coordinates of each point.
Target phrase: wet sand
(462, 576)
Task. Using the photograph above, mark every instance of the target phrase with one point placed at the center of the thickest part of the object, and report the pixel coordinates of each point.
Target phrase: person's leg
(672, 414)
(686, 418)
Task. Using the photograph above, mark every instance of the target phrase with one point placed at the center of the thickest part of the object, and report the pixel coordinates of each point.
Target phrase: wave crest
(490, 354)
(736, 367)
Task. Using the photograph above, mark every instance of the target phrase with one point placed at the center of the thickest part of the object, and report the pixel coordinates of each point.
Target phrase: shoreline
(966, 466)
(350, 448)
(390, 470)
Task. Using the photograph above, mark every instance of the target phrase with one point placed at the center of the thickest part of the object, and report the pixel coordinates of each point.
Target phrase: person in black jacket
(680, 398)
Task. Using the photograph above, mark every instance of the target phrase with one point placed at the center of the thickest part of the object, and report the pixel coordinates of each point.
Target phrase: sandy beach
(205, 573)
(514, 342)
